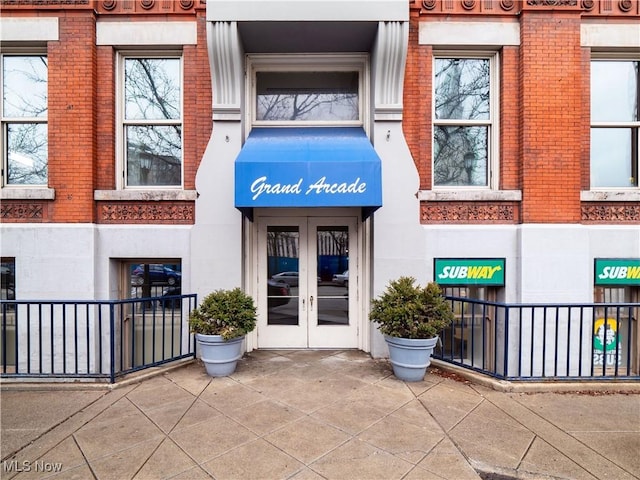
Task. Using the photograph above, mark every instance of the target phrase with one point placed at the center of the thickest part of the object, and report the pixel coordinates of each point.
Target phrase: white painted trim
(308, 10)
(146, 33)
(470, 195)
(27, 193)
(29, 29)
(388, 65)
(145, 195)
(610, 35)
(610, 196)
(485, 34)
(226, 59)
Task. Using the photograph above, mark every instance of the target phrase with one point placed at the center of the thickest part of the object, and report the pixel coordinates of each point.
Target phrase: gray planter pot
(220, 357)
(410, 357)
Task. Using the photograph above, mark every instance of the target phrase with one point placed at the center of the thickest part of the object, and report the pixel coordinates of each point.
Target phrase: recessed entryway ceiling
(298, 37)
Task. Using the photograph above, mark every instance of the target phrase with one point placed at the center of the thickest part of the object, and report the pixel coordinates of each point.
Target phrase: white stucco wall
(52, 261)
(76, 261)
(216, 238)
(398, 239)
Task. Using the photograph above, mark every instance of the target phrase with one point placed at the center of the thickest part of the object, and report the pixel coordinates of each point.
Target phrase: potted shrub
(411, 318)
(220, 324)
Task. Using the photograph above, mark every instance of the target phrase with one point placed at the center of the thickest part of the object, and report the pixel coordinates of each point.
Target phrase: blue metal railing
(93, 339)
(596, 341)
(109, 339)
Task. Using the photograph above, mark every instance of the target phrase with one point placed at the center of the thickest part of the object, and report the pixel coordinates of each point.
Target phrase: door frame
(362, 271)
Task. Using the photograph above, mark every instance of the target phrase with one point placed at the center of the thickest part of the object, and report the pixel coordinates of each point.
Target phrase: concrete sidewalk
(314, 415)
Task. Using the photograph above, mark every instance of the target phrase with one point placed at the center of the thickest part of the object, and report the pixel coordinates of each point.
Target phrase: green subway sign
(617, 271)
(469, 271)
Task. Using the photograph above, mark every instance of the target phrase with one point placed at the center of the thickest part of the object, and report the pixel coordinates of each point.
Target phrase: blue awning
(308, 167)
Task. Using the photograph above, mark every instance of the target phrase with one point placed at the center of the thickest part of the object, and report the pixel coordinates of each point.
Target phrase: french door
(306, 295)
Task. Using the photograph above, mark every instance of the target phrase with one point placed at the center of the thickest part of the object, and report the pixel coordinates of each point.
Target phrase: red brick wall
(552, 111)
(417, 124)
(544, 117)
(82, 96)
(585, 160)
(510, 176)
(105, 129)
(197, 99)
(72, 118)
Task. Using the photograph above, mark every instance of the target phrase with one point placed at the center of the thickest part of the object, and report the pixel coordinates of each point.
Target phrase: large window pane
(332, 247)
(614, 91)
(307, 96)
(462, 89)
(611, 164)
(153, 121)
(24, 117)
(283, 256)
(27, 153)
(24, 83)
(152, 89)
(460, 156)
(153, 155)
(7, 279)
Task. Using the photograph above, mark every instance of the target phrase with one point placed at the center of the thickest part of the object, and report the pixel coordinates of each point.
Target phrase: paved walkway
(316, 415)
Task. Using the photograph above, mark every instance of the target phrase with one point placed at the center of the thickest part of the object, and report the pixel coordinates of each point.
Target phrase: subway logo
(469, 271)
(617, 271)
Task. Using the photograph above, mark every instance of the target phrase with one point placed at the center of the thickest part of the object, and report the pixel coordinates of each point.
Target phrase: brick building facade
(482, 136)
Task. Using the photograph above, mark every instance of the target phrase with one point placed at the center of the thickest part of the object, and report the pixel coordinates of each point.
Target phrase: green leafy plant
(407, 310)
(229, 313)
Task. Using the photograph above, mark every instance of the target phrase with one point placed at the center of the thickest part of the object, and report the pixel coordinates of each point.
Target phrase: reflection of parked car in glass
(342, 278)
(291, 278)
(7, 294)
(158, 274)
(278, 293)
(7, 277)
(170, 292)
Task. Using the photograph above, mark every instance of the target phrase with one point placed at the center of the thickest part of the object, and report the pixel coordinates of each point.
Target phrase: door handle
(311, 303)
(303, 306)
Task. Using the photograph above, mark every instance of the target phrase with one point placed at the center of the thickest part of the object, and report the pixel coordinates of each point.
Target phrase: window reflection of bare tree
(304, 106)
(24, 110)
(153, 121)
(462, 113)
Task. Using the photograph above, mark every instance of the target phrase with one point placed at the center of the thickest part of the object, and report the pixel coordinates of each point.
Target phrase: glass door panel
(283, 275)
(333, 308)
(332, 255)
(305, 298)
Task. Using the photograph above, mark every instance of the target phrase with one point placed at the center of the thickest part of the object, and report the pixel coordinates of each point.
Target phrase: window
(470, 339)
(615, 121)
(7, 315)
(150, 325)
(310, 90)
(154, 279)
(24, 120)
(615, 330)
(464, 121)
(7, 279)
(152, 121)
(307, 96)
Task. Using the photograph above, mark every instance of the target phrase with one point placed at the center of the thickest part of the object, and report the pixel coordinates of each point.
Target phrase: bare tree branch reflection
(24, 111)
(153, 121)
(462, 106)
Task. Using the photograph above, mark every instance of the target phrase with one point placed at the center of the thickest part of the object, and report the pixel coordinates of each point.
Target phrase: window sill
(470, 195)
(145, 195)
(610, 196)
(26, 193)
